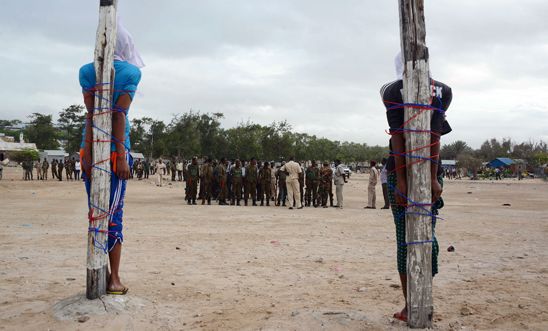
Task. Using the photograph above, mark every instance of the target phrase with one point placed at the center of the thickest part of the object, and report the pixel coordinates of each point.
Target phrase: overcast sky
(318, 64)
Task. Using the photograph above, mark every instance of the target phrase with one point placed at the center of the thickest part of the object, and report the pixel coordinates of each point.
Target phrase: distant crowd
(68, 168)
(248, 182)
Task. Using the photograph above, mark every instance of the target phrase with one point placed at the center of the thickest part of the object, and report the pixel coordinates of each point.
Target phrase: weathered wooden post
(416, 90)
(97, 259)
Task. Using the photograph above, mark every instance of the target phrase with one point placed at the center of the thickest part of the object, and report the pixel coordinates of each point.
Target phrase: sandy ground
(268, 268)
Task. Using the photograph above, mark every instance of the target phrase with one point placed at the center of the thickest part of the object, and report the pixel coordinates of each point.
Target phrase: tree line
(195, 133)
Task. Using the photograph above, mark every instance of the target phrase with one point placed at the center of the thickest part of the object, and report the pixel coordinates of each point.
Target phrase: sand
(269, 268)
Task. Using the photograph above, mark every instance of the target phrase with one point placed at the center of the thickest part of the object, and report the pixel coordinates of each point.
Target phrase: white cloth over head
(125, 48)
(398, 64)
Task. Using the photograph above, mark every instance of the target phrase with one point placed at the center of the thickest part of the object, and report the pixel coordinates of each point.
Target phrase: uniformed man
(273, 186)
(146, 168)
(173, 169)
(45, 167)
(301, 184)
(251, 178)
(281, 177)
(68, 170)
(60, 166)
(192, 180)
(312, 182)
(326, 175)
(237, 180)
(221, 179)
(265, 175)
(293, 170)
(38, 167)
(54, 168)
(207, 182)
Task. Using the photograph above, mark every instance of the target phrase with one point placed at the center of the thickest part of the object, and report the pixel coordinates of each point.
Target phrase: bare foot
(116, 286)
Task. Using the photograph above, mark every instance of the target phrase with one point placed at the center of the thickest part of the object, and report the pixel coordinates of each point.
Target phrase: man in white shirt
(160, 168)
(384, 184)
(371, 193)
(293, 190)
(340, 180)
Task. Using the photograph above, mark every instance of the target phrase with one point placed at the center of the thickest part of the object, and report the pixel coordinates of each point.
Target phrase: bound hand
(122, 167)
(436, 190)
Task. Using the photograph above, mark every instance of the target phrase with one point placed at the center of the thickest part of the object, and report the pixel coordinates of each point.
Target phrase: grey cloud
(318, 64)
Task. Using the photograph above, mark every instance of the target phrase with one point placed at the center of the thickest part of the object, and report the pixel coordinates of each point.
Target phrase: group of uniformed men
(71, 167)
(256, 182)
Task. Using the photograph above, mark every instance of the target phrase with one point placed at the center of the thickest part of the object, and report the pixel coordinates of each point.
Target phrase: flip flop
(118, 292)
(400, 316)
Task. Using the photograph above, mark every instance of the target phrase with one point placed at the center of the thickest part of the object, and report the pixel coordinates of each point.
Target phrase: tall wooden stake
(416, 89)
(97, 260)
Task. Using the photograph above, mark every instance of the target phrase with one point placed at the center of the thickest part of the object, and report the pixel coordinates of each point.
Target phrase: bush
(25, 155)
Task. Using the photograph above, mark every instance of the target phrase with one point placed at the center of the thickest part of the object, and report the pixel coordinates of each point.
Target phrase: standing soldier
(221, 179)
(207, 182)
(68, 170)
(326, 175)
(251, 177)
(192, 180)
(160, 167)
(60, 166)
(146, 168)
(45, 167)
(265, 175)
(293, 170)
(312, 181)
(236, 174)
(54, 168)
(282, 185)
(273, 187)
(173, 169)
(301, 184)
(38, 168)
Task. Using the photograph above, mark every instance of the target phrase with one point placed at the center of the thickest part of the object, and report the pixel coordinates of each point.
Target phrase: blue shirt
(126, 79)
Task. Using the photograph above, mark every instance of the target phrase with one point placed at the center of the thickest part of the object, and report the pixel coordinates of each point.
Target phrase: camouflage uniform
(250, 187)
(265, 175)
(312, 181)
(221, 179)
(207, 182)
(325, 183)
(193, 177)
(237, 174)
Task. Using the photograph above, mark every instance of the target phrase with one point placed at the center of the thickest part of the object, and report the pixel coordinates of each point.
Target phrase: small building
(137, 156)
(10, 147)
(53, 154)
(501, 162)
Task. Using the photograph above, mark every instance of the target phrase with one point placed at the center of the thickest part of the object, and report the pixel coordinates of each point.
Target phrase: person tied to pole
(127, 62)
(391, 94)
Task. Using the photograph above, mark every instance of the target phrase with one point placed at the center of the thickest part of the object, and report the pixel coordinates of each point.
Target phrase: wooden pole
(97, 259)
(416, 89)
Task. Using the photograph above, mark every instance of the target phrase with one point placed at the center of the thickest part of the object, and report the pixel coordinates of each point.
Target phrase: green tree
(25, 155)
(71, 124)
(453, 150)
(42, 132)
(470, 163)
